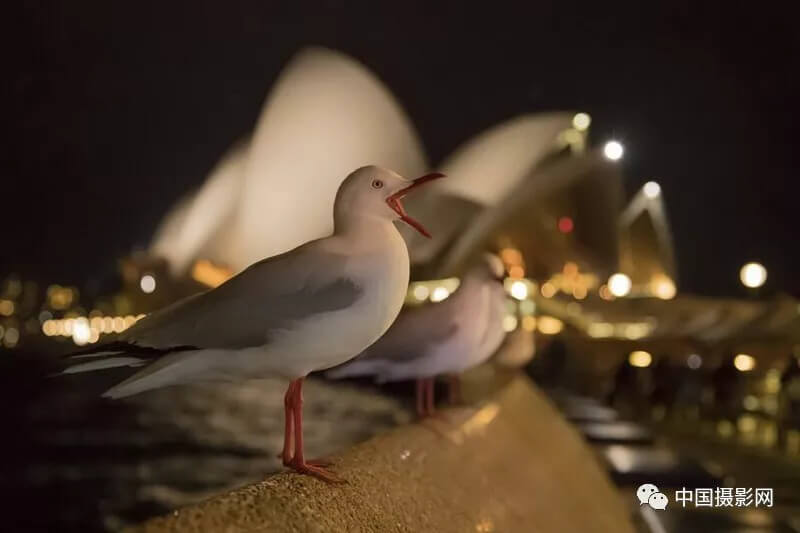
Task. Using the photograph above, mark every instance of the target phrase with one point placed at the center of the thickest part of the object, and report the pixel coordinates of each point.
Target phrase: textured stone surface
(509, 464)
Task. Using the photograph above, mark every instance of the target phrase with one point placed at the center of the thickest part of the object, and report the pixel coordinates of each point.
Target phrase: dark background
(116, 109)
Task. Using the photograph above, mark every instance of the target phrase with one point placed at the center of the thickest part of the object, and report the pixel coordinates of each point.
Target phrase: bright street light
(581, 121)
(652, 189)
(753, 275)
(744, 362)
(619, 284)
(613, 150)
(640, 359)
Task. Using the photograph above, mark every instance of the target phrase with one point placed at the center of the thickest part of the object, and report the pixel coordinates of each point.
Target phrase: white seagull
(445, 338)
(311, 308)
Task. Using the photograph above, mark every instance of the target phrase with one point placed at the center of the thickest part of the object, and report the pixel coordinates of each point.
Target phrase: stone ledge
(510, 465)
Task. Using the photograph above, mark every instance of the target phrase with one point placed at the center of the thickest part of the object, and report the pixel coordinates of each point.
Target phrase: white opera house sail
(325, 116)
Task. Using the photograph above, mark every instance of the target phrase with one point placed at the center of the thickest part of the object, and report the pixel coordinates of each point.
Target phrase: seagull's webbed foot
(309, 468)
(321, 462)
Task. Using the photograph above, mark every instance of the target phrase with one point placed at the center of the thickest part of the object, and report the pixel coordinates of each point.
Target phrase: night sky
(111, 113)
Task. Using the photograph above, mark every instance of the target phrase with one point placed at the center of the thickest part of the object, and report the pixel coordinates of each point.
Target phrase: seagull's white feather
(113, 362)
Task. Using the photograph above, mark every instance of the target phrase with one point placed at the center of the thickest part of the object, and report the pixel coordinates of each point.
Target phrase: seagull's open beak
(394, 201)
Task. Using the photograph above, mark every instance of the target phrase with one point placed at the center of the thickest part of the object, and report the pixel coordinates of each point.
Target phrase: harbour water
(73, 461)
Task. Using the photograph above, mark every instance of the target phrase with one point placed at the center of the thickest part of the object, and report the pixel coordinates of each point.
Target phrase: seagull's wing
(414, 332)
(247, 310)
(250, 308)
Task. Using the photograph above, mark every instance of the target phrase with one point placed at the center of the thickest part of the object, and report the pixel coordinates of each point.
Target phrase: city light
(209, 274)
(744, 362)
(421, 292)
(613, 150)
(86, 331)
(664, 288)
(600, 330)
(581, 121)
(519, 290)
(548, 290)
(579, 292)
(750, 402)
(549, 325)
(565, 225)
(694, 361)
(635, 330)
(81, 332)
(511, 256)
(528, 323)
(651, 189)
(527, 307)
(147, 283)
(753, 275)
(11, 337)
(605, 292)
(509, 323)
(439, 293)
(516, 272)
(640, 359)
(7, 307)
(619, 284)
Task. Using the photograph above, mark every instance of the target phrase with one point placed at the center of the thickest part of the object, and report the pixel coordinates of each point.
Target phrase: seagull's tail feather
(173, 369)
(100, 350)
(110, 362)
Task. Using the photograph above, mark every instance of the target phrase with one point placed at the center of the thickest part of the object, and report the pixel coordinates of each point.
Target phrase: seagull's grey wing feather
(248, 309)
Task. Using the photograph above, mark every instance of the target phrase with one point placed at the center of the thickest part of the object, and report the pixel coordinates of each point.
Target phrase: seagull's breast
(383, 277)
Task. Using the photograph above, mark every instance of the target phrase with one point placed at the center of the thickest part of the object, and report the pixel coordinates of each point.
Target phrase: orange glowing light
(511, 256)
(209, 274)
(516, 272)
(548, 290)
(570, 269)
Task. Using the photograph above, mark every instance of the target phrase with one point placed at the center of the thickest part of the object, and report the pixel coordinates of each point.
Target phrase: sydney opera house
(530, 189)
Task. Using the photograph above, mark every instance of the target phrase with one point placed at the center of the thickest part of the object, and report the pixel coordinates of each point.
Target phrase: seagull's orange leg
(454, 389)
(288, 430)
(420, 397)
(430, 408)
(298, 462)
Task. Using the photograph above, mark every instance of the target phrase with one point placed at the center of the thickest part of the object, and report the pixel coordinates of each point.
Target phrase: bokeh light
(619, 284)
(651, 189)
(613, 150)
(147, 283)
(439, 293)
(519, 290)
(753, 275)
(744, 362)
(640, 359)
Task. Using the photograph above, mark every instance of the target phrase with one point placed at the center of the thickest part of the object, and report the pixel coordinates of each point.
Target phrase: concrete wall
(511, 464)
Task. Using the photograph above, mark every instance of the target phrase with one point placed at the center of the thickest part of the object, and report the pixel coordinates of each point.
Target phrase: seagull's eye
(377, 184)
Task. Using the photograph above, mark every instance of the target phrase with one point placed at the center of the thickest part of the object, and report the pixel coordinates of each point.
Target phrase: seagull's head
(377, 192)
(494, 266)
(489, 268)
